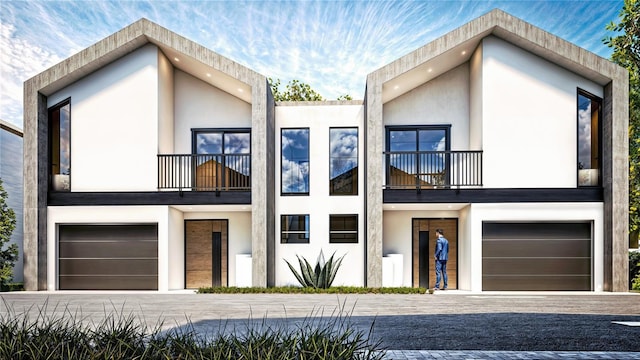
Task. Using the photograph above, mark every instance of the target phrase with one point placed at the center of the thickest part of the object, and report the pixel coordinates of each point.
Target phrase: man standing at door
(441, 255)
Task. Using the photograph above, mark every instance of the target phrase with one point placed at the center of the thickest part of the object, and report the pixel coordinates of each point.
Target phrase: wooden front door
(424, 245)
(206, 258)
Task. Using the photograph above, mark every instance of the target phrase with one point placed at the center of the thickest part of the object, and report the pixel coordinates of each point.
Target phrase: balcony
(418, 170)
(204, 172)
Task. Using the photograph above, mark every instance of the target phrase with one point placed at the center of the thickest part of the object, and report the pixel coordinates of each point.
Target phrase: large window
(343, 229)
(222, 158)
(416, 155)
(60, 146)
(589, 115)
(295, 162)
(294, 229)
(343, 161)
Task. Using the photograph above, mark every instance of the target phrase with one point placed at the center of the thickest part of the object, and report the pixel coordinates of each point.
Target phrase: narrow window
(343, 161)
(60, 146)
(589, 115)
(294, 229)
(343, 229)
(295, 162)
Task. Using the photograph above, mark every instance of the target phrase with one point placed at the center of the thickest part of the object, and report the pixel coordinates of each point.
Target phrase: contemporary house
(11, 175)
(154, 163)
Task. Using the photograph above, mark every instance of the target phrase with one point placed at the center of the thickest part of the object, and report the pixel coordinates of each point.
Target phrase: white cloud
(19, 60)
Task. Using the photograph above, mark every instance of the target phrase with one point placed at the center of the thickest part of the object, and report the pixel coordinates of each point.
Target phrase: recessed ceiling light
(430, 70)
(464, 52)
(176, 59)
(240, 90)
(396, 87)
(208, 75)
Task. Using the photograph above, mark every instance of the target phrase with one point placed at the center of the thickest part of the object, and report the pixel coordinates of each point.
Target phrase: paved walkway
(495, 325)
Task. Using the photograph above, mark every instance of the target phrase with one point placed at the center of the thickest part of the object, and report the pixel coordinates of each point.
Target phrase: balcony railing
(433, 169)
(204, 172)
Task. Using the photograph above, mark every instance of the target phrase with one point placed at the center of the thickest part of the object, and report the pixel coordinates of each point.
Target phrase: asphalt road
(443, 321)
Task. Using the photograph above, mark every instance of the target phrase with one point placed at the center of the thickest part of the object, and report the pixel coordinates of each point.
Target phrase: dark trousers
(441, 272)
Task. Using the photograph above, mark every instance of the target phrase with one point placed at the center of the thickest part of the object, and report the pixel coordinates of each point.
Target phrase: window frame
(339, 232)
(282, 193)
(354, 193)
(592, 98)
(223, 131)
(50, 173)
(306, 231)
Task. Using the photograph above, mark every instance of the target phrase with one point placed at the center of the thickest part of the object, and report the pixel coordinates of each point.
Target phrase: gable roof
(183, 53)
(457, 46)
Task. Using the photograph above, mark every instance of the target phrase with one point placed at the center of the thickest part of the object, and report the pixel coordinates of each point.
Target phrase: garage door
(108, 257)
(536, 256)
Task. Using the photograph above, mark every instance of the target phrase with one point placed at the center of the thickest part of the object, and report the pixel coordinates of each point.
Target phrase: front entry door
(424, 245)
(206, 244)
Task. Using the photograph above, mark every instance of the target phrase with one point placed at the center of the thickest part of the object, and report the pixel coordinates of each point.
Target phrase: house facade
(154, 163)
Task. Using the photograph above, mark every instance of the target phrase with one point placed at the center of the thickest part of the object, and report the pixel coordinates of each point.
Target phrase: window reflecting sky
(584, 132)
(234, 143)
(344, 150)
(295, 160)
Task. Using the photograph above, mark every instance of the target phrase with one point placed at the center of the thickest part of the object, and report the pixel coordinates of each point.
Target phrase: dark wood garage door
(536, 256)
(108, 257)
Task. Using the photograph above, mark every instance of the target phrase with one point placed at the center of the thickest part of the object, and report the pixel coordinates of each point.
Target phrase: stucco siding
(529, 119)
(113, 112)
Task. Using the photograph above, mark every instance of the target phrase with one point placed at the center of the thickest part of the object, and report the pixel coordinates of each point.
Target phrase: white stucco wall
(202, 105)
(441, 101)
(536, 212)
(57, 215)
(176, 254)
(114, 125)
(165, 105)
(239, 238)
(529, 118)
(318, 204)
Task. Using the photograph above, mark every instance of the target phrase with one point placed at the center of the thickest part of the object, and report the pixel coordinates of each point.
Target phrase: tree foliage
(626, 53)
(8, 254)
(296, 90)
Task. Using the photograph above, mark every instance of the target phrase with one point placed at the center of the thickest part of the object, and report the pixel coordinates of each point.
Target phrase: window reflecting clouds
(295, 161)
(343, 161)
(588, 140)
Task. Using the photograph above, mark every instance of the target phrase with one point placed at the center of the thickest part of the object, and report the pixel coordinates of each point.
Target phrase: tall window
(343, 161)
(589, 115)
(223, 158)
(417, 155)
(295, 162)
(343, 229)
(294, 229)
(60, 146)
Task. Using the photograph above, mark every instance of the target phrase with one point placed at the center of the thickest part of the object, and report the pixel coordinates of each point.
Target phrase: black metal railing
(433, 169)
(204, 172)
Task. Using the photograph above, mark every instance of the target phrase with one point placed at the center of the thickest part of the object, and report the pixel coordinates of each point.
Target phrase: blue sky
(331, 45)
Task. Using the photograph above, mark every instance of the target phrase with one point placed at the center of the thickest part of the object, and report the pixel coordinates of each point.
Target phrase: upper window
(222, 158)
(343, 229)
(589, 115)
(60, 146)
(343, 161)
(295, 162)
(294, 229)
(416, 155)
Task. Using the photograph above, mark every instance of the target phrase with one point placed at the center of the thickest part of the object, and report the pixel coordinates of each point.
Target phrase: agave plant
(321, 276)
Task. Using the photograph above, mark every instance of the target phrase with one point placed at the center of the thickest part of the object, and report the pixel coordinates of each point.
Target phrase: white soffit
(424, 207)
(212, 208)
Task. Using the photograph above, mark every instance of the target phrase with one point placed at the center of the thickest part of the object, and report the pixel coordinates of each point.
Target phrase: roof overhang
(456, 47)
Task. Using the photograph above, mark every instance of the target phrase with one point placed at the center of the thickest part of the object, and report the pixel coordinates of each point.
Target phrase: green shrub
(634, 266)
(310, 290)
(67, 335)
(319, 277)
(636, 283)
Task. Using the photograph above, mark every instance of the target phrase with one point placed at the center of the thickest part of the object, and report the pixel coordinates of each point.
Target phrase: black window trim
(307, 230)
(357, 232)
(357, 159)
(282, 193)
(592, 97)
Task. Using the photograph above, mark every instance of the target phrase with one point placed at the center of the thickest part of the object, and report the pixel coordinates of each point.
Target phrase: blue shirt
(442, 249)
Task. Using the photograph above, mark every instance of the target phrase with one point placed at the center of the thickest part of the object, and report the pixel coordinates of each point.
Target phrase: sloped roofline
(513, 30)
(127, 40)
